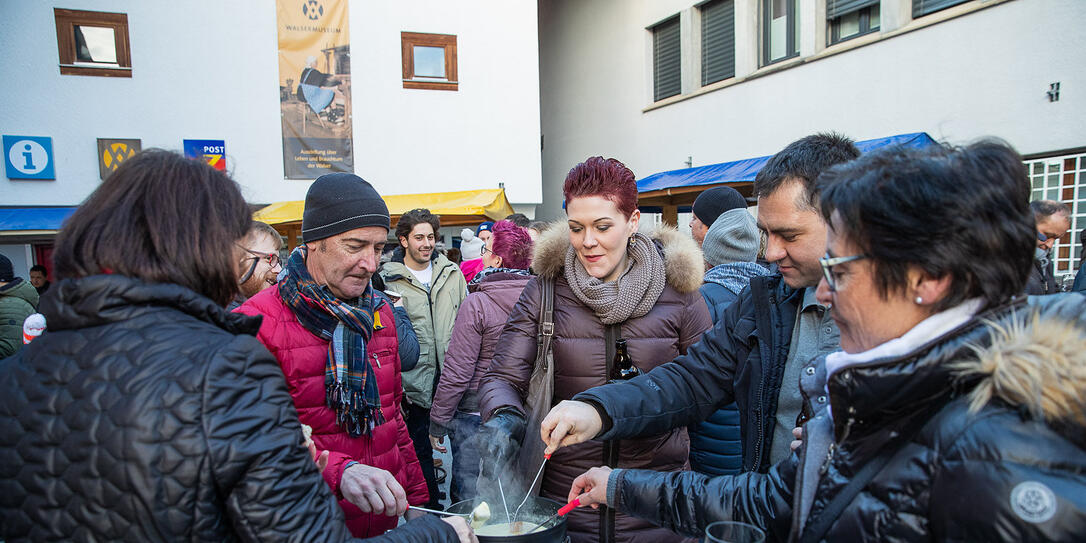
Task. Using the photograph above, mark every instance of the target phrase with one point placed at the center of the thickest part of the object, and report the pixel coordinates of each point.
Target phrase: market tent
(674, 191)
(32, 222)
(460, 208)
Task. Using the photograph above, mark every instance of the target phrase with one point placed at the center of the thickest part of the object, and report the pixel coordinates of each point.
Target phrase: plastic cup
(733, 532)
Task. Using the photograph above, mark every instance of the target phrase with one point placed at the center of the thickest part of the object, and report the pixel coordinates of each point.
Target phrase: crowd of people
(880, 353)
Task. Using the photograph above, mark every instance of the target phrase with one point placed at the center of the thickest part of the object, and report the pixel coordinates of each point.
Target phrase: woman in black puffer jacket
(955, 412)
(147, 412)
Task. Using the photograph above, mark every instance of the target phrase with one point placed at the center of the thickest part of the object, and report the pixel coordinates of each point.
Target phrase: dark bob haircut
(962, 213)
(409, 220)
(160, 218)
(804, 159)
(604, 177)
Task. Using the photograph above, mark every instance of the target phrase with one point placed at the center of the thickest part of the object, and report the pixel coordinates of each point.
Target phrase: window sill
(70, 69)
(431, 85)
(837, 48)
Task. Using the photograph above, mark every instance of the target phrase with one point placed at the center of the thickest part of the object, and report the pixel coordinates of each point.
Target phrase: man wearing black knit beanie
(336, 340)
(709, 205)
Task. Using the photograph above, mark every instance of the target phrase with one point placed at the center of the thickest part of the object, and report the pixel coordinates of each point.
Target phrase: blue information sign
(28, 157)
(211, 151)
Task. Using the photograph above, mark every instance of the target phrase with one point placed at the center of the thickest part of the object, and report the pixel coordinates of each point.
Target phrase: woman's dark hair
(803, 160)
(959, 212)
(160, 218)
(409, 220)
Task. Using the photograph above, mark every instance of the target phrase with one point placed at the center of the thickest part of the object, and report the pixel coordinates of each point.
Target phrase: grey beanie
(733, 237)
(338, 202)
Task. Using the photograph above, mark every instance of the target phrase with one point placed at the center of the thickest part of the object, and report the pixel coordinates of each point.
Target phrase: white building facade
(665, 84)
(206, 69)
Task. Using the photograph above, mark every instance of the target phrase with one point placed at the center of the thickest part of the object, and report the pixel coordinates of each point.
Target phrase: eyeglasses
(271, 258)
(828, 263)
(484, 251)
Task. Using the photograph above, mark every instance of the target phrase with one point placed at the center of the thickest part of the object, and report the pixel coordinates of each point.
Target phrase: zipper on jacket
(844, 436)
(610, 448)
(761, 388)
(376, 360)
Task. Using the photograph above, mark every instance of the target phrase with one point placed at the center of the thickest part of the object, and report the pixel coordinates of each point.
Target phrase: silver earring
(919, 300)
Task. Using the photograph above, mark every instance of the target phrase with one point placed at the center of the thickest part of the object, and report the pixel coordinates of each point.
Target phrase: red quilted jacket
(302, 357)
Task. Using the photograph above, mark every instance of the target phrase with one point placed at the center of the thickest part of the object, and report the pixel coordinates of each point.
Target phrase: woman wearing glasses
(146, 412)
(259, 263)
(956, 412)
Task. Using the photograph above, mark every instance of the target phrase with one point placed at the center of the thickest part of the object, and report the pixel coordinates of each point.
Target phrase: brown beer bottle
(622, 366)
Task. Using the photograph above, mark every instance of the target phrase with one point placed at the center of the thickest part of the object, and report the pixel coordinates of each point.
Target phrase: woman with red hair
(492, 293)
(612, 286)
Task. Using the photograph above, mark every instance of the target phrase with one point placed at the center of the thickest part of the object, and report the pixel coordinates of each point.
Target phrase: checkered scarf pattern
(351, 387)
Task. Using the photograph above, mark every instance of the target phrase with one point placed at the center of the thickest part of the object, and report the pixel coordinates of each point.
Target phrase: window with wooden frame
(429, 61)
(93, 43)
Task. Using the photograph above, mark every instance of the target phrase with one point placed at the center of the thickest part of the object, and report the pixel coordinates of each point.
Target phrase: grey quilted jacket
(148, 413)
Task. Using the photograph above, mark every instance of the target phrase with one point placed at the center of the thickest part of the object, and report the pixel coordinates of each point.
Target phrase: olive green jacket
(432, 315)
(18, 300)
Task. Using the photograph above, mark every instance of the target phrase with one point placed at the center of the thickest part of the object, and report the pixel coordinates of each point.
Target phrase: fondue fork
(531, 486)
(506, 505)
(561, 513)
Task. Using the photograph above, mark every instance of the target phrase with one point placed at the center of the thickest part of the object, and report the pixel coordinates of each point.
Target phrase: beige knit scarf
(630, 296)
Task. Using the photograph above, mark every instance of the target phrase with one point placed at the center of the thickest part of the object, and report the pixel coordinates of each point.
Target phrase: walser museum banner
(315, 87)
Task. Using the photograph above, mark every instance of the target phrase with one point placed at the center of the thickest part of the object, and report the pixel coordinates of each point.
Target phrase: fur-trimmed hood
(683, 262)
(1036, 362)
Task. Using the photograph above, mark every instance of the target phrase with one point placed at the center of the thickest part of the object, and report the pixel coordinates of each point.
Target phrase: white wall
(207, 69)
(984, 73)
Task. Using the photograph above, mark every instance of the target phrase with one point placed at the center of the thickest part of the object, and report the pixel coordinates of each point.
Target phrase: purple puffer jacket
(479, 322)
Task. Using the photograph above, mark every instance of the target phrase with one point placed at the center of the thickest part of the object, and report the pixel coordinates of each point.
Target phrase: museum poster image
(315, 87)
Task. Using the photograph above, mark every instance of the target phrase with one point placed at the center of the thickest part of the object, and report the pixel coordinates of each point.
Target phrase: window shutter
(837, 8)
(717, 41)
(666, 71)
(924, 7)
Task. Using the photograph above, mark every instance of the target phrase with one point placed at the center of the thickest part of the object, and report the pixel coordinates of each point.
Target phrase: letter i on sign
(28, 156)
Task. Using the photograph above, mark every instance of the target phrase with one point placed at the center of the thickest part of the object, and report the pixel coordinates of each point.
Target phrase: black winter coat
(741, 359)
(988, 429)
(148, 413)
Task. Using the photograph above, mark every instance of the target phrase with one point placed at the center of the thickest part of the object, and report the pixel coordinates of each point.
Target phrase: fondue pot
(536, 510)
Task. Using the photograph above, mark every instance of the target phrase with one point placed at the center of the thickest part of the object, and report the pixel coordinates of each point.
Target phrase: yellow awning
(465, 207)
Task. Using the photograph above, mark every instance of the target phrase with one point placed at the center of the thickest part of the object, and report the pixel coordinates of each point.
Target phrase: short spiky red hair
(513, 244)
(604, 177)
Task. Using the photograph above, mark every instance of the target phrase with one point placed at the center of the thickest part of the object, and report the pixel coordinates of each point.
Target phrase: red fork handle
(569, 507)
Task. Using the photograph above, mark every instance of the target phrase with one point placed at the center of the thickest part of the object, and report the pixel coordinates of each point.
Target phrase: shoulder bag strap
(546, 317)
(816, 529)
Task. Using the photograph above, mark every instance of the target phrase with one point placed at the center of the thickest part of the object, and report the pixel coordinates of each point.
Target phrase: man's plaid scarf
(351, 387)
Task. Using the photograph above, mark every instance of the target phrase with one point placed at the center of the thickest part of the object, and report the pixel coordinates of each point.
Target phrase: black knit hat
(7, 273)
(338, 202)
(711, 203)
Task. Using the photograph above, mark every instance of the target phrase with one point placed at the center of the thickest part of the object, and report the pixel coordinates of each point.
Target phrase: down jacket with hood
(988, 423)
(303, 357)
(474, 339)
(18, 299)
(581, 348)
(148, 413)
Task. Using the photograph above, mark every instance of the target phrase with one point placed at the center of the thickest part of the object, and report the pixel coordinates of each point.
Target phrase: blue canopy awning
(33, 218)
(741, 171)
